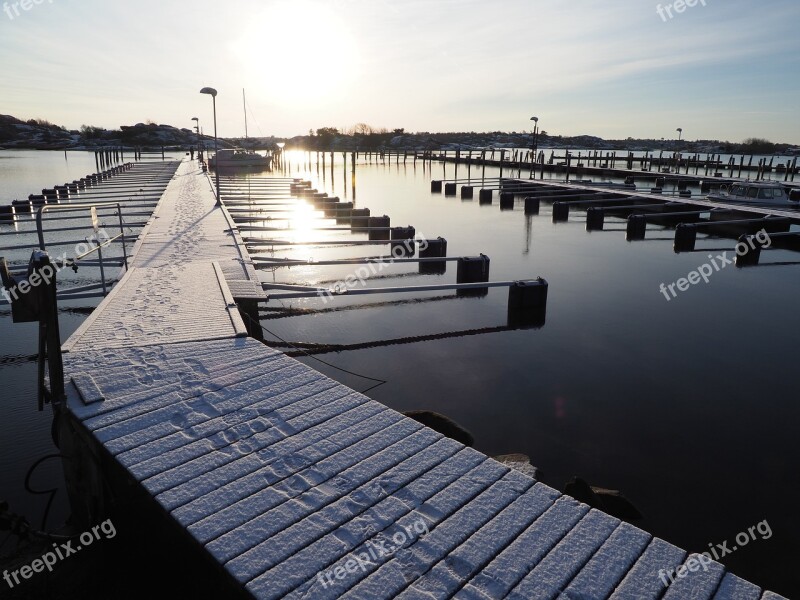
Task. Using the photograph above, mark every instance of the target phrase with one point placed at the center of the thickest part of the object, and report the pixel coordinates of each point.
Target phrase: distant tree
(362, 129)
(91, 132)
(399, 131)
(758, 146)
(44, 123)
(326, 135)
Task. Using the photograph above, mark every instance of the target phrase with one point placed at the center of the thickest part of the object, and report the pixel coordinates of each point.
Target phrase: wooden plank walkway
(303, 488)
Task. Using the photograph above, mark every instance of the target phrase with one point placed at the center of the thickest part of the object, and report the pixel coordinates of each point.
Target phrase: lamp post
(534, 144)
(213, 93)
(680, 131)
(197, 131)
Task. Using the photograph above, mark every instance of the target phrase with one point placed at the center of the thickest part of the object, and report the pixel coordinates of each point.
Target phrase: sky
(718, 69)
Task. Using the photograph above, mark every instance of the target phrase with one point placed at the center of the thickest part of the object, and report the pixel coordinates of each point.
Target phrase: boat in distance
(757, 193)
(232, 158)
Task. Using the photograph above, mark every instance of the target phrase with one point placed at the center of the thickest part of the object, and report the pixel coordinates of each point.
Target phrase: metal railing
(96, 227)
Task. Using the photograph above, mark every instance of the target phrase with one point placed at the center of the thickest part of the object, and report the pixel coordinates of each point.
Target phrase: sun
(297, 53)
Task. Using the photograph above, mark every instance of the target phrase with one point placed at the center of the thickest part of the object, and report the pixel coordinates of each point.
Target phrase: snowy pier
(299, 487)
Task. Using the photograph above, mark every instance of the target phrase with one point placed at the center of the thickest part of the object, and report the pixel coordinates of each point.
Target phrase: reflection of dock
(291, 481)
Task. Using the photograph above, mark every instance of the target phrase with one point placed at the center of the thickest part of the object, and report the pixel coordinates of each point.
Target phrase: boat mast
(244, 104)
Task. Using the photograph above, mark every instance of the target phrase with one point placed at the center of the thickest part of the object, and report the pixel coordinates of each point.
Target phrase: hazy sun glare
(297, 53)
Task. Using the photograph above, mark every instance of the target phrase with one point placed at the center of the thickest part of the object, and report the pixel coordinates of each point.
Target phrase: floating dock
(296, 486)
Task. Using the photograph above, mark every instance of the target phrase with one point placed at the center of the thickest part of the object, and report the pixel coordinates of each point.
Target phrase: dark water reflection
(687, 406)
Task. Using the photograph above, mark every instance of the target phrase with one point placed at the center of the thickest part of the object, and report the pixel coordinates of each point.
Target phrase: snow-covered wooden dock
(300, 487)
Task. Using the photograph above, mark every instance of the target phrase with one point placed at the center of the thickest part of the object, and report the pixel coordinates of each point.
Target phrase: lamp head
(535, 119)
(209, 90)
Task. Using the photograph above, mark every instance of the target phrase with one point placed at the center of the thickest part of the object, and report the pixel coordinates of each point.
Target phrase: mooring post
(752, 253)
(560, 211)
(434, 248)
(249, 311)
(595, 218)
(685, 237)
(527, 303)
(636, 228)
(379, 228)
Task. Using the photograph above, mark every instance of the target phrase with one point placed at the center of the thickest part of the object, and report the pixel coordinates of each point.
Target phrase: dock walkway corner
(299, 487)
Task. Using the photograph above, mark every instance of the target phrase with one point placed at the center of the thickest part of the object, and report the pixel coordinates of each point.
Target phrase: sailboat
(240, 158)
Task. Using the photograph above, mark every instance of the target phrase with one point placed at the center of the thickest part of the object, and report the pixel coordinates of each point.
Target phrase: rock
(609, 501)
(443, 425)
(521, 463)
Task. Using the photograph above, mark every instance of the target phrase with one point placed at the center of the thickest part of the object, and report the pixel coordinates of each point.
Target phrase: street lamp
(680, 131)
(213, 93)
(535, 134)
(197, 131)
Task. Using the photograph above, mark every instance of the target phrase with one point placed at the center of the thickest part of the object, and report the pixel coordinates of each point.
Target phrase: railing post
(44, 272)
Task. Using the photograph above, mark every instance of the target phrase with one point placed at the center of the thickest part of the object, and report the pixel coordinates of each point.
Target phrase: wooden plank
(472, 557)
(700, 579)
(327, 532)
(449, 525)
(601, 575)
(355, 533)
(425, 500)
(290, 457)
(736, 588)
(157, 306)
(339, 473)
(551, 576)
(136, 379)
(322, 439)
(205, 417)
(644, 580)
(526, 551)
(87, 388)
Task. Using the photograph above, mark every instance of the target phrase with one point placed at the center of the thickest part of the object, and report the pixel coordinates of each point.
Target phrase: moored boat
(759, 193)
(228, 158)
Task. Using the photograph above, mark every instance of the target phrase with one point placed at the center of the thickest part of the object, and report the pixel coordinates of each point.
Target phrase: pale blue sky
(614, 68)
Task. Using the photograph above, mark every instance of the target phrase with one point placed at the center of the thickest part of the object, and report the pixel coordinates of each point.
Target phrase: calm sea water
(687, 406)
